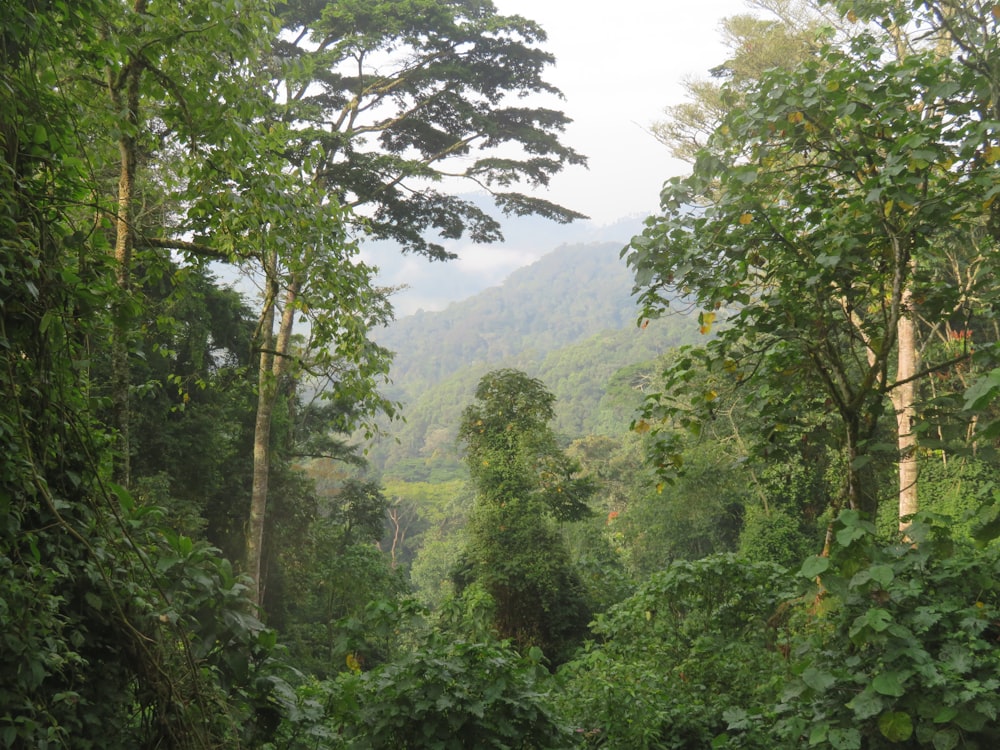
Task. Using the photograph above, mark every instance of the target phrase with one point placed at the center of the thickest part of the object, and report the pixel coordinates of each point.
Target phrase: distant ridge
(569, 319)
(570, 294)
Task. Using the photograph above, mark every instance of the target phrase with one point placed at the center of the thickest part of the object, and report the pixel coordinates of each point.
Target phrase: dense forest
(730, 483)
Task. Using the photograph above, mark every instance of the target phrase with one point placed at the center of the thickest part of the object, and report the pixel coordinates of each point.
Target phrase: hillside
(568, 319)
(569, 295)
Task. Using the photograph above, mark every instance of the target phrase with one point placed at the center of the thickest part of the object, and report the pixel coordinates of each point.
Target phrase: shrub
(452, 695)
(903, 649)
(694, 649)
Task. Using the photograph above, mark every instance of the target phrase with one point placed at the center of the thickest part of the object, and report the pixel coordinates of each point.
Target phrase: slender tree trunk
(273, 364)
(123, 89)
(904, 398)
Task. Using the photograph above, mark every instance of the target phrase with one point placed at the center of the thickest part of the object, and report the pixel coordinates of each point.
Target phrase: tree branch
(195, 248)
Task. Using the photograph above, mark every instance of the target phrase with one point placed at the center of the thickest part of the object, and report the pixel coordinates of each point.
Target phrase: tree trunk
(124, 92)
(903, 399)
(273, 364)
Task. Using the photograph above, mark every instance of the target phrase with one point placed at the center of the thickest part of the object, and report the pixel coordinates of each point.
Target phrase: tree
(169, 74)
(803, 218)
(756, 45)
(352, 135)
(523, 483)
(116, 631)
(404, 96)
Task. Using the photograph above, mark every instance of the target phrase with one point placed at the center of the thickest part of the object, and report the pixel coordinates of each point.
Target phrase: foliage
(960, 487)
(787, 523)
(903, 649)
(523, 482)
(391, 93)
(824, 168)
(755, 46)
(331, 577)
(698, 515)
(453, 693)
(697, 645)
(511, 452)
(192, 390)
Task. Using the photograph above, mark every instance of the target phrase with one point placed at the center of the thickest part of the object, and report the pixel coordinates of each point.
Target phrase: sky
(619, 63)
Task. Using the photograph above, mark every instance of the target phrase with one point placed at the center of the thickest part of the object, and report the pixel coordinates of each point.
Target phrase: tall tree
(102, 604)
(169, 75)
(403, 97)
(783, 40)
(804, 215)
(789, 39)
(295, 241)
(523, 483)
(374, 100)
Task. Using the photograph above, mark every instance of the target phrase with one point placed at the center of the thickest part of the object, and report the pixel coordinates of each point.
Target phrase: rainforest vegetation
(732, 483)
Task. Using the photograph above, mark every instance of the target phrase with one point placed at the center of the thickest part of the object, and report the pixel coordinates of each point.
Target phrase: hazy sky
(619, 63)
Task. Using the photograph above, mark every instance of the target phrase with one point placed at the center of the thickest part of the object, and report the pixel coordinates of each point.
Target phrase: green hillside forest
(729, 483)
(569, 319)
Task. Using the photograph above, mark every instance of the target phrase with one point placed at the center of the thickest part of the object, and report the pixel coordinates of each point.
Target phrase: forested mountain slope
(568, 319)
(570, 294)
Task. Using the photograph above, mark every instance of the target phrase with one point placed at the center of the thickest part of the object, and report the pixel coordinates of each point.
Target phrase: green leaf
(882, 574)
(946, 714)
(866, 704)
(818, 733)
(817, 679)
(945, 739)
(845, 739)
(875, 619)
(895, 726)
(889, 683)
(981, 393)
(814, 566)
(849, 534)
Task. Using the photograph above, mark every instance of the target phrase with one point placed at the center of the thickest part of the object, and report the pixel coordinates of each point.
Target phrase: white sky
(619, 63)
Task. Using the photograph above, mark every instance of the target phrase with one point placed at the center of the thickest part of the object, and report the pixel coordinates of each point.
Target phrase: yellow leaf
(706, 319)
(746, 217)
(795, 117)
(995, 10)
(989, 202)
(642, 427)
(852, 16)
(991, 155)
(659, 488)
(711, 396)
(352, 663)
(888, 207)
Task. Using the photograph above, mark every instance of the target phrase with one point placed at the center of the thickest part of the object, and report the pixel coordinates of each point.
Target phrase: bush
(693, 649)
(902, 650)
(452, 695)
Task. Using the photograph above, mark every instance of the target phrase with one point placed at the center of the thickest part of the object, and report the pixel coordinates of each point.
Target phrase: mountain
(432, 285)
(569, 319)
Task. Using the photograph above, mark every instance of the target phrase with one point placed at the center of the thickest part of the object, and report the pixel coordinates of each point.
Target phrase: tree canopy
(813, 212)
(402, 98)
